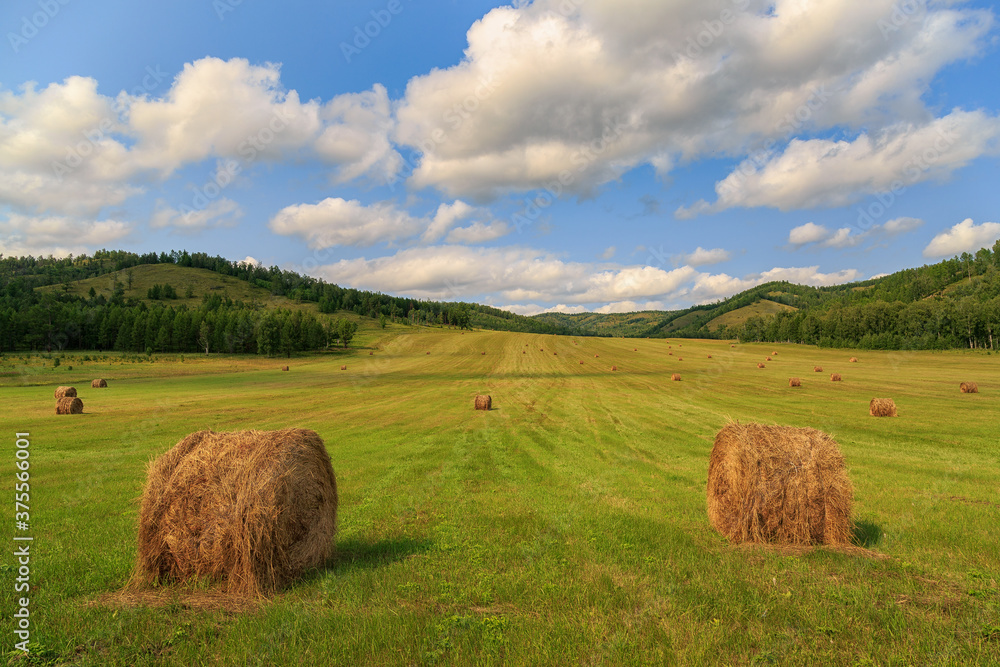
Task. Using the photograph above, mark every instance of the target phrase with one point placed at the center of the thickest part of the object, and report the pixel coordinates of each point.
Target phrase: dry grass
(98, 384)
(249, 510)
(69, 405)
(484, 402)
(63, 392)
(969, 388)
(778, 484)
(882, 407)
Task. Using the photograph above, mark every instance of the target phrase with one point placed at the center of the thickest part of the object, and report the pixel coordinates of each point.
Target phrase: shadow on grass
(354, 553)
(866, 534)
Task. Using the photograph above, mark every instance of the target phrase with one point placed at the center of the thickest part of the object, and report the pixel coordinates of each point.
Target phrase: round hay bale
(370, 353)
(670, 354)
(555, 354)
(343, 368)
(835, 377)
(69, 405)
(484, 354)
(709, 356)
(794, 382)
(596, 355)
(614, 368)
(760, 365)
(767, 358)
(63, 392)
(680, 358)
(676, 377)
(774, 354)
(778, 484)
(969, 388)
(882, 407)
(635, 349)
(284, 368)
(581, 363)
(428, 352)
(98, 384)
(523, 352)
(854, 360)
(484, 402)
(818, 369)
(249, 510)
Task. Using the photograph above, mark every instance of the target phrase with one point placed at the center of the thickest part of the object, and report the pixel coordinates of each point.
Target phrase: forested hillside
(95, 303)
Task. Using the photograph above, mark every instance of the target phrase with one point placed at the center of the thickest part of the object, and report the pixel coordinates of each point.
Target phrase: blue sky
(608, 155)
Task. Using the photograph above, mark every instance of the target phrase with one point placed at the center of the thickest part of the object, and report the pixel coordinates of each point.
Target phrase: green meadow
(567, 526)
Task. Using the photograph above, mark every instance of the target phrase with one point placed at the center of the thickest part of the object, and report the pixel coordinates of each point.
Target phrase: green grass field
(566, 526)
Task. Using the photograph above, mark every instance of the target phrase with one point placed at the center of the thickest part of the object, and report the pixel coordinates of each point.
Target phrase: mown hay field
(567, 525)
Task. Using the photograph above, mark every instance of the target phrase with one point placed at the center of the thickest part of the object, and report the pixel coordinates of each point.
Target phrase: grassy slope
(735, 318)
(202, 281)
(567, 526)
(605, 324)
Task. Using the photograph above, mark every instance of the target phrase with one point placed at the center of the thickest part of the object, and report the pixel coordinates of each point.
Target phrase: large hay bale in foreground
(250, 510)
(835, 377)
(484, 402)
(778, 484)
(98, 384)
(69, 405)
(969, 388)
(882, 407)
(794, 382)
(63, 392)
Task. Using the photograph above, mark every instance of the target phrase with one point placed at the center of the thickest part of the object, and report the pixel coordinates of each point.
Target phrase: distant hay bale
(614, 368)
(484, 402)
(882, 407)
(523, 352)
(854, 360)
(676, 377)
(343, 368)
(835, 377)
(680, 358)
(794, 382)
(709, 356)
(581, 363)
(818, 369)
(778, 484)
(370, 353)
(670, 354)
(767, 359)
(427, 353)
(98, 384)
(63, 392)
(732, 346)
(596, 355)
(760, 365)
(635, 349)
(69, 405)
(774, 354)
(969, 388)
(250, 510)
(284, 368)
(484, 354)
(555, 354)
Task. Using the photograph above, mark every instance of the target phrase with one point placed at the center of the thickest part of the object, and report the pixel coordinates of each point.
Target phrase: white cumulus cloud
(966, 236)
